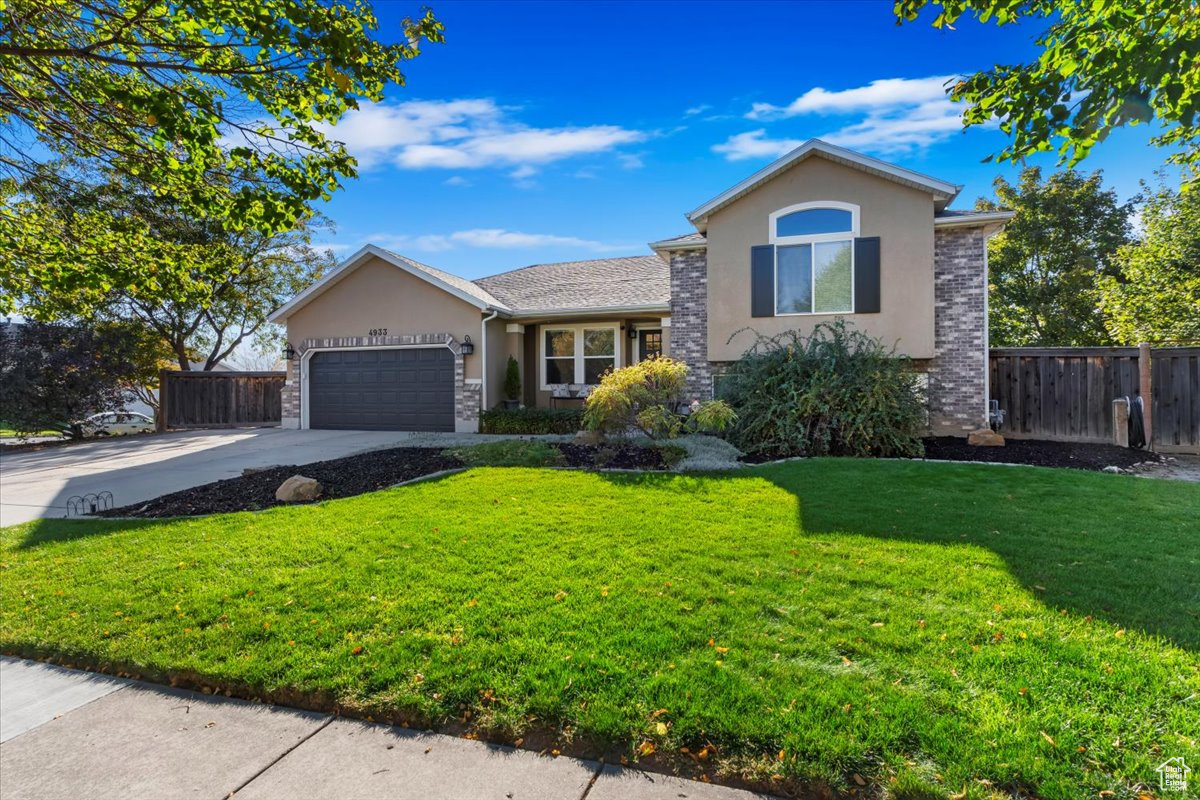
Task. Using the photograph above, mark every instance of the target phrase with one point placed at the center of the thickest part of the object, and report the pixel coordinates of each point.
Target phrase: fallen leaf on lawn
(1120, 634)
(357, 650)
(556, 752)
(558, 598)
(859, 779)
(846, 662)
(846, 708)
(1048, 738)
(646, 749)
(661, 729)
(780, 756)
(659, 713)
(472, 603)
(722, 650)
(1022, 691)
(876, 624)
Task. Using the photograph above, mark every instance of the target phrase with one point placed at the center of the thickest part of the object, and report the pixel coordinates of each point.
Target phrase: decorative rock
(985, 437)
(248, 471)
(1113, 470)
(589, 438)
(298, 489)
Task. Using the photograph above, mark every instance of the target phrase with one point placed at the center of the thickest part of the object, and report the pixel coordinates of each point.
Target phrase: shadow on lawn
(50, 531)
(1118, 548)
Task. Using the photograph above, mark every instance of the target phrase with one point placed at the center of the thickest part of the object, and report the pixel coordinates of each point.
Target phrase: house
(384, 341)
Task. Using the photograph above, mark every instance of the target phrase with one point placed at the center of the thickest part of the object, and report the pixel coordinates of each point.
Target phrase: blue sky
(553, 131)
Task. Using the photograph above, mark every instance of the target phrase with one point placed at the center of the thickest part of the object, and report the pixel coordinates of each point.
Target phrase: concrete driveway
(37, 484)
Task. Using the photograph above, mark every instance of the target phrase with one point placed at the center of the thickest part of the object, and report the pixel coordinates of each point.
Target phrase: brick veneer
(466, 395)
(689, 319)
(957, 376)
(957, 388)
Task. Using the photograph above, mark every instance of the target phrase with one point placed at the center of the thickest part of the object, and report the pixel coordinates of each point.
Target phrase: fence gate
(219, 399)
(1066, 393)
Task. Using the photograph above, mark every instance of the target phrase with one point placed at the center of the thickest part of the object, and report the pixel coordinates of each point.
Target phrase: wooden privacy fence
(219, 399)
(1067, 392)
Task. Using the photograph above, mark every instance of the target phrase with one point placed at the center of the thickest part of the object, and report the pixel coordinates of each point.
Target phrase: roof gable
(461, 288)
(942, 191)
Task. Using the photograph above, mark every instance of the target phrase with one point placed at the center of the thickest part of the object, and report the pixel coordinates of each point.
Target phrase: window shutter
(762, 280)
(866, 275)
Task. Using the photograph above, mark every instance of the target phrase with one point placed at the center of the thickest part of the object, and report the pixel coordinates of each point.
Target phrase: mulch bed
(624, 456)
(341, 477)
(1038, 452)
(1034, 452)
(346, 477)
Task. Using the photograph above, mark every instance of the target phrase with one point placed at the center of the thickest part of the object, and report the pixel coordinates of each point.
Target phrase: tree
(54, 375)
(1043, 269)
(224, 108)
(1154, 295)
(198, 286)
(1103, 65)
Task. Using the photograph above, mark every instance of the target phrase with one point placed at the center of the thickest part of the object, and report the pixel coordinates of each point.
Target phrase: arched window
(814, 257)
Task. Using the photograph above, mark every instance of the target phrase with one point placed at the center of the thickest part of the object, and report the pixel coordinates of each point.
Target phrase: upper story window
(814, 257)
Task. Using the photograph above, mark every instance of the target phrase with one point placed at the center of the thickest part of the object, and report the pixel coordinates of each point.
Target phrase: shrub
(647, 396)
(838, 391)
(510, 453)
(512, 380)
(531, 420)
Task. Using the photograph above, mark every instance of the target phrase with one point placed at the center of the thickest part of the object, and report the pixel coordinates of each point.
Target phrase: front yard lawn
(927, 628)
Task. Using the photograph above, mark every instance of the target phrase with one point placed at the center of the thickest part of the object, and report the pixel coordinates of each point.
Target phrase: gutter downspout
(483, 366)
(987, 345)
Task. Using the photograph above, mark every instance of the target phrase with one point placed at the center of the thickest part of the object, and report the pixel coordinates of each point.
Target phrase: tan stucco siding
(379, 295)
(901, 217)
(497, 356)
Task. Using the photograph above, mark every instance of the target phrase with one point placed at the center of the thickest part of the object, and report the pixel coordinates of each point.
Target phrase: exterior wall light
(289, 352)
(467, 346)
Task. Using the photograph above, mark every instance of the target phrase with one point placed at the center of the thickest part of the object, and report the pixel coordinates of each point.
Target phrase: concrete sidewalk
(71, 734)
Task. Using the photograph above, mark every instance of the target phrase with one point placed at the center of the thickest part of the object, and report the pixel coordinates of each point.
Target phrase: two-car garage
(405, 389)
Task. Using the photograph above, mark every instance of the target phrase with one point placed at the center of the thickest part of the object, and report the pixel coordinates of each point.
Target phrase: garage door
(382, 390)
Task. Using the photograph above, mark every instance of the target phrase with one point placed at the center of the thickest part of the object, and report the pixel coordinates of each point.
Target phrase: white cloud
(630, 161)
(886, 93)
(489, 238)
(755, 144)
(457, 180)
(465, 134)
(895, 115)
(694, 110)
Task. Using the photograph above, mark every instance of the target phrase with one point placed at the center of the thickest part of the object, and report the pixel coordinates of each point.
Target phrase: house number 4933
(377, 332)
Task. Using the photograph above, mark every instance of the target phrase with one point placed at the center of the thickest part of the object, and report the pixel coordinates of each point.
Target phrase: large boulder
(985, 437)
(298, 489)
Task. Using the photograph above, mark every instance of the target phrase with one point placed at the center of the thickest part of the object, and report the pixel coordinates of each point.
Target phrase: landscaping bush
(647, 396)
(838, 391)
(510, 453)
(531, 420)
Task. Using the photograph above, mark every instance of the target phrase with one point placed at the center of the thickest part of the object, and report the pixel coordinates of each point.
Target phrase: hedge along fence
(1066, 393)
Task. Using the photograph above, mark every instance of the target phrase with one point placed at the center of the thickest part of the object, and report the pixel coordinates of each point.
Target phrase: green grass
(932, 628)
(509, 453)
(8, 433)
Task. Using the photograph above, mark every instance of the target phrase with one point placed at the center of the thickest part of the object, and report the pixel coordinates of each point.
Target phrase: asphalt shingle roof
(598, 283)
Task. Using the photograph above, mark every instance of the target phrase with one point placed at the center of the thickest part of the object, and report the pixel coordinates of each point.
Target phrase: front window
(814, 258)
(580, 354)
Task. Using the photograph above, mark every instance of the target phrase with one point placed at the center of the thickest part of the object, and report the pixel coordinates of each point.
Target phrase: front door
(649, 343)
